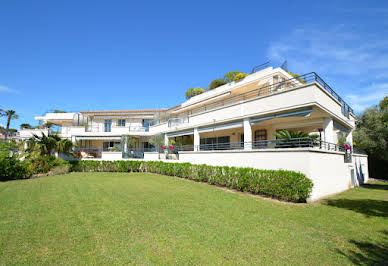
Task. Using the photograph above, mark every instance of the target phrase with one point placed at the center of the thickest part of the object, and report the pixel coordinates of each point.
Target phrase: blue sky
(102, 55)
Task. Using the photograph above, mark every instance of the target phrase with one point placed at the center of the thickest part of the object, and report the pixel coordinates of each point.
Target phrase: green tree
(10, 114)
(193, 92)
(129, 141)
(48, 144)
(157, 140)
(240, 76)
(371, 135)
(25, 125)
(217, 83)
(11, 167)
(229, 77)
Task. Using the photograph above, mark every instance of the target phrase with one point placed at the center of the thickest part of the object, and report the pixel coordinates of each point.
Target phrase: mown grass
(121, 218)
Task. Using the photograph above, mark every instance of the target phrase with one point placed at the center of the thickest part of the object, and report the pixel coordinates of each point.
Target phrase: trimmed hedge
(280, 184)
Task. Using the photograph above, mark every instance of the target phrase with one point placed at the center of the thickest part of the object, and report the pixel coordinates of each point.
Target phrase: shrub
(194, 92)
(217, 83)
(297, 77)
(10, 166)
(281, 184)
(240, 76)
(37, 164)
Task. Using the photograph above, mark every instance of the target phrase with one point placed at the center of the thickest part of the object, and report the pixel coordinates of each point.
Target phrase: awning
(237, 124)
(97, 138)
(180, 133)
(300, 113)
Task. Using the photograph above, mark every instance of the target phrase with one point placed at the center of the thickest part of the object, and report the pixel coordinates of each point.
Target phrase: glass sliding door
(108, 125)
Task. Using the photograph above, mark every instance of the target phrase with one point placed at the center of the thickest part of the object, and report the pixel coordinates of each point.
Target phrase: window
(260, 136)
(121, 123)
(217, 143)
(146, 124)
(107, 145)
(108, 125)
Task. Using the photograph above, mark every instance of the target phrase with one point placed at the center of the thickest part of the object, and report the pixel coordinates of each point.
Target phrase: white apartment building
(235, 125)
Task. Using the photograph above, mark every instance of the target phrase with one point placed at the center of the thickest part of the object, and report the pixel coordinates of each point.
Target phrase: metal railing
(264, 144)
(173, 122)
(268, 90)
(126, 128)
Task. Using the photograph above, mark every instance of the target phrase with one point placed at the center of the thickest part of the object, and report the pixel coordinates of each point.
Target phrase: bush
(37, 164)
(10, 166)
(281, 184)
(194, 92)
(217, 83)
(240, 76)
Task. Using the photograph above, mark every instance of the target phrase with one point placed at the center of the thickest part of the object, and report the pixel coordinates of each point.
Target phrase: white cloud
(6, 89)
(333, 50)
(360, 102)
(354, 61)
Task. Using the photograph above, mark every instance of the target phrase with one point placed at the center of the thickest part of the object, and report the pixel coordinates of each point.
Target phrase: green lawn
(141, 218)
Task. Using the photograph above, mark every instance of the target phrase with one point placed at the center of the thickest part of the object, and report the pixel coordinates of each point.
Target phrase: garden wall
(326, 169)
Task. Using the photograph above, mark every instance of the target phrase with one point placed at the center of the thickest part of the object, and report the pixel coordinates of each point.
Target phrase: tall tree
(10, 114)
(371, 135)
(229, 77)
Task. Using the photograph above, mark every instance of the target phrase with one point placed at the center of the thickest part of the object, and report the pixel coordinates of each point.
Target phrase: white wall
(28, 133)
(151, 156)
(286, 100)
(326, 169)
(111, 156)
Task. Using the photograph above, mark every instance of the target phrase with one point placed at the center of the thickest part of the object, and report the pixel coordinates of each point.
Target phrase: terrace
(181, 115)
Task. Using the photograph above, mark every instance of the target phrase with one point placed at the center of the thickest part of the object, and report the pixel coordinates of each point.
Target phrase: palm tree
(11, 114)
(48, 144)
(289, 138)
(289, 134)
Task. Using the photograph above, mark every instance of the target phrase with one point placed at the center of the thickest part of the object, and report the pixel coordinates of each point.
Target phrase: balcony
(116, 129)
(260, 92)
(267, 144)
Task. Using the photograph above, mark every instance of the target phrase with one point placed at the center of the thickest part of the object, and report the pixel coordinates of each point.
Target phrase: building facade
(234, 124)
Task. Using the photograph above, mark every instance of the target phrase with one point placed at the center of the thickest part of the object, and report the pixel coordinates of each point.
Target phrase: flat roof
(125, 111)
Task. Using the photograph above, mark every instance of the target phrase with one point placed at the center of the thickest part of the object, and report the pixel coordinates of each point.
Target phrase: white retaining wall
(326, 169)
(111, 155)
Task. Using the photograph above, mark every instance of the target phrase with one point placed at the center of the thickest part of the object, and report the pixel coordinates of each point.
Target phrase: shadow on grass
(368, 207)
(376, 186)
(366, 253)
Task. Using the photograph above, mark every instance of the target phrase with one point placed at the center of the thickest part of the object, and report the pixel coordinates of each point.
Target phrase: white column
(73, 139)
(197, 141)
(165, 140)
(349, 138)
(328, 130)
(247, 134)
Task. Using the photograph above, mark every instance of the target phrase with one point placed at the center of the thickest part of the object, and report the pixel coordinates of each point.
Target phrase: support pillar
(197, 141)
(328, 130)
(349, 138)
(247, 134)
(165, 140)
